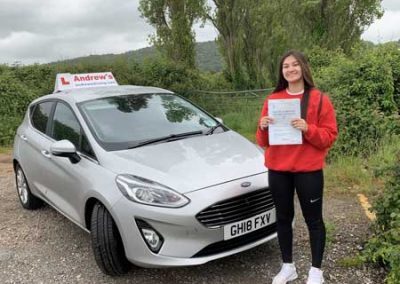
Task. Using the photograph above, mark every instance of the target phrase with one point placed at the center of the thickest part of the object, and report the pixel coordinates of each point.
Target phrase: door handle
(23, 137)
(46, 153)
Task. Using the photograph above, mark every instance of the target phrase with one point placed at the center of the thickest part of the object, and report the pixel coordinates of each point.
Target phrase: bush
(213, 82)
(362, 90)
(163, 73)
(391, 52)
(14, 99)
(39, 79)
(384, 246)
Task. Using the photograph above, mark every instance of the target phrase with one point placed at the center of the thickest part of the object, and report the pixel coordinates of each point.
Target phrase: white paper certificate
(281, 132)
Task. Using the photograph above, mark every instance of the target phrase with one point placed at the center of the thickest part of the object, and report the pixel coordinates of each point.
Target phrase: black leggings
(309, 188)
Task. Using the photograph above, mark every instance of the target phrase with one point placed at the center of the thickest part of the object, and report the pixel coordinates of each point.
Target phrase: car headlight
(149, 192)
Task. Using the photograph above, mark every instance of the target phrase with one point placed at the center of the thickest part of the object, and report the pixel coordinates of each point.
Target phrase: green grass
(330, 232)
(244, 122)
(386, 155)
(354, 261)
(239, 112)
(356, 174)
(5, 150)
(348, 174)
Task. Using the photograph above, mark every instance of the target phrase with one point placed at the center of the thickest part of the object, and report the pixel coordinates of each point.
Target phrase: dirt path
(44, 247)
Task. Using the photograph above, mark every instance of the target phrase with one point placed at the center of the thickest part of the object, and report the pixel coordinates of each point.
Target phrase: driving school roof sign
(67, 81)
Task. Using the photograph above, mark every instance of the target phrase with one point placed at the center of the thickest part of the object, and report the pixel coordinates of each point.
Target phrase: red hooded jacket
(321, 133)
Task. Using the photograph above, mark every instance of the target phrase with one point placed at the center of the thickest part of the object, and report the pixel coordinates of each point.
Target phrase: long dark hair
(305, 69)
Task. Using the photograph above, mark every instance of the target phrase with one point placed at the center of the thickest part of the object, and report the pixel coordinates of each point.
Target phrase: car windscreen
(123, 122)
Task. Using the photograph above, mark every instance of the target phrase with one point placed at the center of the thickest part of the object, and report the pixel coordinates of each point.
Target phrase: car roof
(85, 94)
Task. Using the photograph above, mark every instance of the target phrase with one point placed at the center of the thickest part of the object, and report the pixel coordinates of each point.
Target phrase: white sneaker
(315, 276)
(287, 273)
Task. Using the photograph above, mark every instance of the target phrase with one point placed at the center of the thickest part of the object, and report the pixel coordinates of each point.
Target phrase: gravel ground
(42, 246)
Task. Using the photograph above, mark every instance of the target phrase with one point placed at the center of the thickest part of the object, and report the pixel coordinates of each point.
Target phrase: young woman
(299, 167)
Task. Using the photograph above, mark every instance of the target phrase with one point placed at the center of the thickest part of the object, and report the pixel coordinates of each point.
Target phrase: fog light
(151, 237)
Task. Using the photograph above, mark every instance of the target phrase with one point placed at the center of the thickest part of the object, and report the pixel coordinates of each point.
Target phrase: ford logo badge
(246, 184)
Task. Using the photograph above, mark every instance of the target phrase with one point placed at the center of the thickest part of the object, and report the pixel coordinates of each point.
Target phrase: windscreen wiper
(168, 138)
(212, 129)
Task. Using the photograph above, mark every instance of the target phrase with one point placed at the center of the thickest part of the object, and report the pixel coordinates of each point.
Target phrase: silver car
(155, 180)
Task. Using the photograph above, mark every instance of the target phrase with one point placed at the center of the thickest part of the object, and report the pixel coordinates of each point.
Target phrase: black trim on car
(236, 208)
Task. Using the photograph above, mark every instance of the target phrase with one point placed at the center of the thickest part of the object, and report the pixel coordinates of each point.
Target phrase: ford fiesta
(153, 178)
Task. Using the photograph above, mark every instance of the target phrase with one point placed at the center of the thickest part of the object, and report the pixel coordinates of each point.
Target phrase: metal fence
(223, 103)
(239, 110)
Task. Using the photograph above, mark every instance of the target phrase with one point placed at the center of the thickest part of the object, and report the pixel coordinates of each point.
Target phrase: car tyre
(27, 199)
(107, 244)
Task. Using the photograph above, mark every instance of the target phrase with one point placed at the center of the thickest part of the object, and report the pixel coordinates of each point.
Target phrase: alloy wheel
(22, 186)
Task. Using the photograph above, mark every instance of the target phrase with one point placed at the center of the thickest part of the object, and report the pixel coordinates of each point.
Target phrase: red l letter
(64, 81)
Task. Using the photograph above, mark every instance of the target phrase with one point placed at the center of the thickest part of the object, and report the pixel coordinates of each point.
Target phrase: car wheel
(107, 244)
(27, 199)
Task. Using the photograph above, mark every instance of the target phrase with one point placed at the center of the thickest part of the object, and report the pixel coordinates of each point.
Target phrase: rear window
(40, 116)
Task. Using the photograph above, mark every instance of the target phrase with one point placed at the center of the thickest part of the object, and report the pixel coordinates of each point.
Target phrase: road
(42, 246)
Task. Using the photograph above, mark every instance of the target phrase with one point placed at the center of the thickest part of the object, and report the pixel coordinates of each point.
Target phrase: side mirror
(65, 148)
(219, 120)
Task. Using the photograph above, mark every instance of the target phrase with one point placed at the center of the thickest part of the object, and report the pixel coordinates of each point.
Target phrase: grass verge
(365, 175)
(5, 150)
(355, 261)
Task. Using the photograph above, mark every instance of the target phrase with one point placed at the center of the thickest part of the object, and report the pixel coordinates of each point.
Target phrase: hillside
(208, 57)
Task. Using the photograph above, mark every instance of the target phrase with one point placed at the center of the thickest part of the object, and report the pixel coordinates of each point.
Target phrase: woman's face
(291, 70)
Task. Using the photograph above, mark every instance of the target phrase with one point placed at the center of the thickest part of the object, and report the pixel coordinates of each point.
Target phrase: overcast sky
(39, 31)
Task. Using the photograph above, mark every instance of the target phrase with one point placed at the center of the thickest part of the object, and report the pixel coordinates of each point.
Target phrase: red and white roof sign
(67, 81)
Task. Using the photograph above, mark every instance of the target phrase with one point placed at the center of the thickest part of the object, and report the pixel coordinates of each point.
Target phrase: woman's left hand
(300, 124)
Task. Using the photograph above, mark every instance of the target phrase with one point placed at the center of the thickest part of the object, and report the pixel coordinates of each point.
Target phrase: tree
(227, 18)
(266, 37)
(251, 38)
(254, 34)
(332, 24)
(173, 21)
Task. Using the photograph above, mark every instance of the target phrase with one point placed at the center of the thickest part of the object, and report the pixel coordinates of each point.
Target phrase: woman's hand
(300, 124)
(265, 121)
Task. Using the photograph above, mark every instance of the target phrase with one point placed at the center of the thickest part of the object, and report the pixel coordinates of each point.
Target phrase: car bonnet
(190, 164)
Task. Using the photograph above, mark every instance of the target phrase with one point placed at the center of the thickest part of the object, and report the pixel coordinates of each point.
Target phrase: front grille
(223, 246)
(236, 208)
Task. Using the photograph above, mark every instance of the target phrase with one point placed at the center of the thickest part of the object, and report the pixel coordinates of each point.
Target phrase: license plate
(249, 225)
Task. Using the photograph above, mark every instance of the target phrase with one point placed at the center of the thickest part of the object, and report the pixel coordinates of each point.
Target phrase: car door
(68, 182)
(34, 147)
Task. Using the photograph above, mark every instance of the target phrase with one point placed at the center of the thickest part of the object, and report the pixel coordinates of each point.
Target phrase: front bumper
(186, 240)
